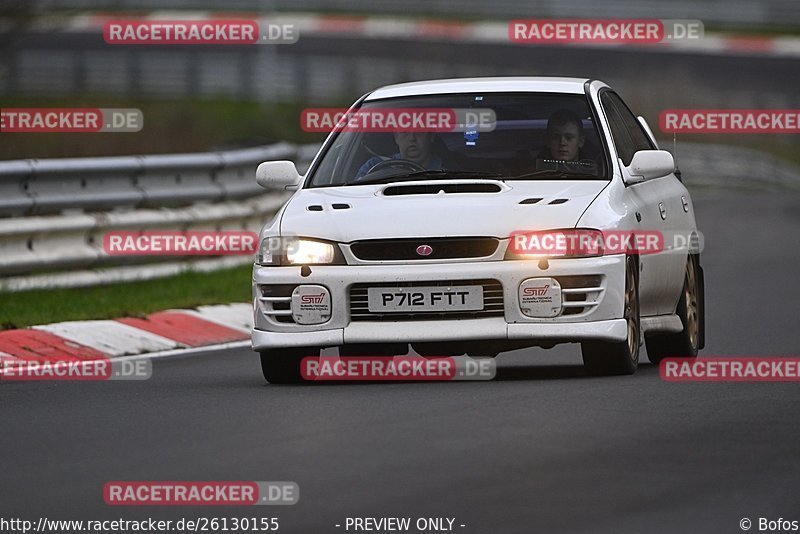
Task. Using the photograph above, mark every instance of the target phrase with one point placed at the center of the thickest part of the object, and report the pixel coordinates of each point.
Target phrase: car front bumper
(601, 319)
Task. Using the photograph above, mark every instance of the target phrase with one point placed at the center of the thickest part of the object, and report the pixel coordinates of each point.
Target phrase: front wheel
(602, 358)
(282, 366)
(684, 344)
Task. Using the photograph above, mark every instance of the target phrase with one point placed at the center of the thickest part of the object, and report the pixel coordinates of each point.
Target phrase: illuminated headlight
(305, 251)
(296, 251)
(567, 243)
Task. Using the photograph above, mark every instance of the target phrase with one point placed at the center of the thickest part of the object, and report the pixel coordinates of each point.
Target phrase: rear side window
(629, 137)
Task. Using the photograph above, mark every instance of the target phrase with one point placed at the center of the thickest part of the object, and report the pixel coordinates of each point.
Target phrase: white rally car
(398, 238)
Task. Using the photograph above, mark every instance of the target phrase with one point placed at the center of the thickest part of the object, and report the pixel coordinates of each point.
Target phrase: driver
(564, 137)
(416, 147)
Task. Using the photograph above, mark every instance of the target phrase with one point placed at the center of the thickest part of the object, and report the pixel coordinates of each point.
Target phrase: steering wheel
(398, 164)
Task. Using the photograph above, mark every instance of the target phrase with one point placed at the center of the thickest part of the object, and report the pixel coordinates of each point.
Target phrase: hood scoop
(442, 188)
(558, 201)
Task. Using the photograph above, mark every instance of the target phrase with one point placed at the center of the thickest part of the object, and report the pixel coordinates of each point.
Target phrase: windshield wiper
(433, 173)
(549, 173)
(456, 174)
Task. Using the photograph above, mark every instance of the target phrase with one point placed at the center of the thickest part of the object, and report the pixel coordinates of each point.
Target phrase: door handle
(663, 210)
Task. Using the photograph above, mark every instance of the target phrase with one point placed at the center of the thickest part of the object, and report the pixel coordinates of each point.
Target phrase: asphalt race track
(542, 448)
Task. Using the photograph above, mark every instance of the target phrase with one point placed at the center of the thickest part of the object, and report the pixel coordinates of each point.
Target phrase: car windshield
(517, 136)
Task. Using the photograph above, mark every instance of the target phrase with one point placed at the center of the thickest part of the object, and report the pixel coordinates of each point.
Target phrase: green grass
(131, 299)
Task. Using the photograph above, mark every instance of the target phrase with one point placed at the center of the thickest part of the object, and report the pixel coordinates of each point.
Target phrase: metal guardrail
(55, 212)
(40, 187)
(735, 167)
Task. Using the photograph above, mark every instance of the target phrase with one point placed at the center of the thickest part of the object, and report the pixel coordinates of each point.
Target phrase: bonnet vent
(435, 189)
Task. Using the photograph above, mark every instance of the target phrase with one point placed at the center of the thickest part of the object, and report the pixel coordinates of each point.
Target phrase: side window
(640, 138)
(622, 139)
(328, 169)
(637, 137)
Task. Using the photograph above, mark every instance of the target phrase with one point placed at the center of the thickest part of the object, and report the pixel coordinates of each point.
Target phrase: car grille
(444, 248)
(492, 302)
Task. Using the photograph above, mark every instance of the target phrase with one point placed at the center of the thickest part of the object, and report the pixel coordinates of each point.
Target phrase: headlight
(306, 251)
(297, 251)
(567, 243)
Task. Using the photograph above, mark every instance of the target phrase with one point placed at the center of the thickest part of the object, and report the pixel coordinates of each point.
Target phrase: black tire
(687, 343)
(282, 366)
(602, 358)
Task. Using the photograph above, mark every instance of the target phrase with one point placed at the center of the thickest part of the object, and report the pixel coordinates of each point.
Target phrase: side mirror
(278, 175)
(648, 164)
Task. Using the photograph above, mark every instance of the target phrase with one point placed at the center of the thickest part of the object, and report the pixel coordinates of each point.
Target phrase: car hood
(445, 208)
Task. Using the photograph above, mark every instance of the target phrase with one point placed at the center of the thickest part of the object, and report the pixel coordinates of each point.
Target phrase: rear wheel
(683, 344)
(618, 358)
(282, 366)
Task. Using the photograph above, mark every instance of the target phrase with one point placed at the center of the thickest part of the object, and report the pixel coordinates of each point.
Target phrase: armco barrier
(41, 187)
(14, 182)
(54, 213)
(735, 167)
(48, 243)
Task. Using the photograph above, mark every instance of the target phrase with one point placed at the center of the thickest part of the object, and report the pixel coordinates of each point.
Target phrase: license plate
(425, 299)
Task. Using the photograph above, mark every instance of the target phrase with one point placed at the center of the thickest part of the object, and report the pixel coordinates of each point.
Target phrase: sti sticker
(311, 304)
(540, 297)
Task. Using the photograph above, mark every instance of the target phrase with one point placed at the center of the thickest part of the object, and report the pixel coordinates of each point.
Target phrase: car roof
(538, 84)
